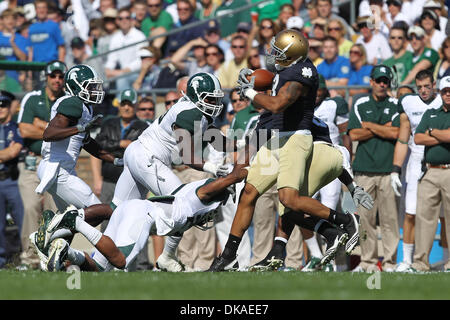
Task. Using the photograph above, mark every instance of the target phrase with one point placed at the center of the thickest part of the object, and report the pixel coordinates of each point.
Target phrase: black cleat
(269, 263)
(221, 263)
(352, 229)
(332, 246)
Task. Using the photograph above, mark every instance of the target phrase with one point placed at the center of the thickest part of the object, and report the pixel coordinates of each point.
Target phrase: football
(263, 79)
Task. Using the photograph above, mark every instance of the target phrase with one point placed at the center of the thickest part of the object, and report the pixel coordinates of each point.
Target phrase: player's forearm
(400, 152)
(52, 133)
(425, 139)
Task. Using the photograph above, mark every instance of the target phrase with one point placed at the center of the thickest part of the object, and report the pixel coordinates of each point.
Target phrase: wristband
(402, 142)
(80, 128)
(250, 93)
(351, 187)
(397, 169)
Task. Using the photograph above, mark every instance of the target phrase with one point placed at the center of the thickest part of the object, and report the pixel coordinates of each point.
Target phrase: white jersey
(184, 209)
(159, 138)
(66, 151)
(415, 107)
(333, 111)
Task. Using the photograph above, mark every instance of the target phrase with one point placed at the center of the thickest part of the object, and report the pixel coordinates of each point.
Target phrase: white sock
(61, 233)
(408, 251)
(444, 254)
(313, 247)
(75, 256)
(92, 234)
(171, 245)
(281, 239)
(81, 213)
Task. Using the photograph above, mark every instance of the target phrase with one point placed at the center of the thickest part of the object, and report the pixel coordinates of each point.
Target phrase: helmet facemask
(211, 102)
(91, 90)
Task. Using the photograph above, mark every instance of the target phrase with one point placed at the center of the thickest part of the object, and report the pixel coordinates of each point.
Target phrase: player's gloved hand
(95, 122)
(244, 73)
(245, 87)
(224, 169)
(210, 167)
(396, 184)
(118, 162)
(360, 197)
(240, 143)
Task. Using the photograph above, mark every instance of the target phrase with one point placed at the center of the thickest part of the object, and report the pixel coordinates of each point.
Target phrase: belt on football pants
(438, 166)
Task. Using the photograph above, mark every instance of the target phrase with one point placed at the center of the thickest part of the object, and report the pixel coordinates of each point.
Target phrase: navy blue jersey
(299, 115)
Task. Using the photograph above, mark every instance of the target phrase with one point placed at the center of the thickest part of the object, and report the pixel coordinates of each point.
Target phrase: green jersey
(373, 155)
(164, 20)
(427, 54)
(436, 119)
(244, 121)
(269, 10)
(228, 24)
(403, 65)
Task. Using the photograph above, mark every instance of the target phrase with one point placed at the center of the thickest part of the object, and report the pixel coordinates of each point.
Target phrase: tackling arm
(287, 95)
(94, 149)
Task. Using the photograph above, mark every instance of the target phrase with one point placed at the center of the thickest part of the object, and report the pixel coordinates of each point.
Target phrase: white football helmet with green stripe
(82, 81)
(204, 90)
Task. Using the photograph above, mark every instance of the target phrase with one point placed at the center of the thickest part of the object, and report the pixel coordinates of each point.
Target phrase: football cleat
(312, 265)
(57, 254)
(328, 267)
(352, 229)
(221, 263)
(169, 263)
(66, 220)
(402, 267)
(333, 246)
(267, 264)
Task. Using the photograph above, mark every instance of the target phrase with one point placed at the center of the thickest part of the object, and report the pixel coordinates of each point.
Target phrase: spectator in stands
(229, 23)
(19, 14)
(207, 9)
(395, 13)
(319, 28)
(443, 66)
(145, 110)
(376, 45)
(158, 21)
(124, 61)
(432, 132)
(268, 10)
(263, 33)
(46, 41)
(150, 69)
(229, 71)
(423, 57)
(68, 30)
(401, 58)
(171, 98)
(335, 68)
(33, 119)
(287, 10)
(110, 27)
(337, 30)
(212, 35)
(13, 46)
(10, 145)
(429, 21)
(371, 125)
(236, 104)
(312, 15)
(78, 52)
(195, 65)
(359, 69)
(296, 23)
(254, 59)
(139, 13)
(315, 51)
(186, 14)
(436, 6)
(324, 11)
(214, 57)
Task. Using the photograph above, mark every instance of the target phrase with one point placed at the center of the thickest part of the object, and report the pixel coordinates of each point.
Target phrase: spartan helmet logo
(195, 83)
(73, 74)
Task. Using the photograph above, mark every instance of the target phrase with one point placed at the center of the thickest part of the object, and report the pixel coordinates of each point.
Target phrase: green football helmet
(204, 90)
(82, 81)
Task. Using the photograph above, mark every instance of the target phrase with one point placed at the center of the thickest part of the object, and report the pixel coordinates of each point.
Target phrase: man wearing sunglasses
(374, 122)
(33, 118)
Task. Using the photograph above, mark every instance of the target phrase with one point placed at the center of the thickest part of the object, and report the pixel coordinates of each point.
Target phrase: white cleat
(169, 263)
(57, 254)
(402, 267)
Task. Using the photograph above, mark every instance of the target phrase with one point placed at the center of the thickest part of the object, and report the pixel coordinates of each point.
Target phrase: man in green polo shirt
(33, 119)
(228, 23)
(433, 191)
(157, 18)
(371, 124)
(401, 58)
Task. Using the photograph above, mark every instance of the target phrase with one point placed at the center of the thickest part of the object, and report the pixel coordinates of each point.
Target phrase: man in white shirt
(376, 45)
(126, 60)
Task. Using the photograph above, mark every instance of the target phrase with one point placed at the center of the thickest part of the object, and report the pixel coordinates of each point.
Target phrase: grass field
(223, 286)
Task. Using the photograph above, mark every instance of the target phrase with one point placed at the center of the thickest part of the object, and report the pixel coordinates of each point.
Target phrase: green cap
(55, 65)
(381, 71)
(322, 83)
(128, 95)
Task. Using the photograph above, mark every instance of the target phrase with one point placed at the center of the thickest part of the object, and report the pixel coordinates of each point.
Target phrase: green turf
(222, 286)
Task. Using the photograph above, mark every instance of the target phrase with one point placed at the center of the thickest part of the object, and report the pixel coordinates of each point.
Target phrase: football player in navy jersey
(285, 157)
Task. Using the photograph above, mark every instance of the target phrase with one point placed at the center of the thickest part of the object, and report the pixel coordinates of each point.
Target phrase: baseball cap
(6, 97)
(432, 15)
(418, 31)
(128, 95)
(294, 22)
(444, 83)
(397, 3)
(110, 13)
(213, 26)
(55, 65)
(322, 83)
(244, 27)
(77, 42)
(431, 4)
(381, 71)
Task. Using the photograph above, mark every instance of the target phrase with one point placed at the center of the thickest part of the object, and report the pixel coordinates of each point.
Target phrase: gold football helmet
(288, 47)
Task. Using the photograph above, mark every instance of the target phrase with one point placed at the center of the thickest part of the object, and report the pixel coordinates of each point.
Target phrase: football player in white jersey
(148, 160)
(411, 108)
(133, 221)
(71, 119)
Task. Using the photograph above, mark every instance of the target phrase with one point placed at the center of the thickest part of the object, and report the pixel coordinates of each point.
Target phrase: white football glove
(244, 73)
(360, 197)
(118, 162)
(95, 122)
(224, 169)
(240, 143)
(396, 184)
(169, 263)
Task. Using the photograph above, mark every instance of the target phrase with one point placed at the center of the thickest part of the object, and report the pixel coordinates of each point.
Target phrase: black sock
(338, 218)
(278, 249)
(231, 247)
(327, 230)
